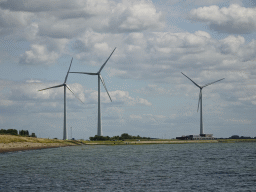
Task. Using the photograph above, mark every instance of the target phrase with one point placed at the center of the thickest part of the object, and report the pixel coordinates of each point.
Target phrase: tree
(24, 133)
(9, 131)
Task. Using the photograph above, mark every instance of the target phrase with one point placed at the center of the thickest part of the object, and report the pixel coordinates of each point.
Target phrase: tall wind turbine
(100, 78)
(201, 100)
(65, 86)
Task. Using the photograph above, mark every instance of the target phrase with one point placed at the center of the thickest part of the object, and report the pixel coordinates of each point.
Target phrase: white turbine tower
(100, 78)
(200, 101)
(65, 86)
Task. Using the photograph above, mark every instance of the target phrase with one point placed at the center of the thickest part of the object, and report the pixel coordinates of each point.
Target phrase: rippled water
(168, 167)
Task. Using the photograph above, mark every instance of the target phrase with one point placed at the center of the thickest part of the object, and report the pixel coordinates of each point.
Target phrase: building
(196, 137)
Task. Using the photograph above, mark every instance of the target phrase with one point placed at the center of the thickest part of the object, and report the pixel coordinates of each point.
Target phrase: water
(180, 167)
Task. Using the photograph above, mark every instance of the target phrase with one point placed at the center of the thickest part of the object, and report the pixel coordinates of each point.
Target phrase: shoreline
(24, 146)
(17, 143)
(12, 143)
(167, 142)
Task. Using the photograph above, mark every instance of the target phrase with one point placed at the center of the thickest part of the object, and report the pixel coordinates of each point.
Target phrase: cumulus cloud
(135, 117)
(25, 94)
(231, 44)
(235, 45)
(154, 90)
(60, 19)
(160, 57)
(148, 119)
(91, 96)
(46, 24)
(234, 19)
(123, 96)
(38, 54)
(13, 21)
(136, 16)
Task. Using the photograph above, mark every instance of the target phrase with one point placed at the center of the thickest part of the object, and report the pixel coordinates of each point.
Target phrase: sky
(155, 41)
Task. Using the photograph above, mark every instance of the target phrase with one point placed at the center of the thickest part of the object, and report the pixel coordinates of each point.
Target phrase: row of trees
(24, 133)
(15, 132)
(9, 132)
(124, 136)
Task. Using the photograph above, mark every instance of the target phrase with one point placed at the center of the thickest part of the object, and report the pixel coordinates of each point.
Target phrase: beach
(22, 146)
(11, 143)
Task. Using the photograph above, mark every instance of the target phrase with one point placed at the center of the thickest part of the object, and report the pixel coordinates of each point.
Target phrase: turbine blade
(74, 93)
(68, 71)
(200, 97)
(191, 80)
(101, 78)
(106, 61)
(213, 82)
(52, 87)
(85, 73)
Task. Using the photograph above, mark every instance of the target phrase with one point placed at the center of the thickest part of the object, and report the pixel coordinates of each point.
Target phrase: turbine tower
(65, 86)
(200, 101)
(100, 78)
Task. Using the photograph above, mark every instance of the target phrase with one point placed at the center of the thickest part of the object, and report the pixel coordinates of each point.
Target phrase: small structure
(196, 137)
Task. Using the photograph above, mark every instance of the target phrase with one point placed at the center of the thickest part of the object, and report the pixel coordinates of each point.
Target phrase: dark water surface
(167, 167)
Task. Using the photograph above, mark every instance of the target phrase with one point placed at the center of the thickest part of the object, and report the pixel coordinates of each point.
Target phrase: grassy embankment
(10, 143)
(15, 139)
(235, 140)
(164, 141)
(11, 139)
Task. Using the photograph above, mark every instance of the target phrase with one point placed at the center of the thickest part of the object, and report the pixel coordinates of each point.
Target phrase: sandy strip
(175, 142)
(154, 142)
(21, 146)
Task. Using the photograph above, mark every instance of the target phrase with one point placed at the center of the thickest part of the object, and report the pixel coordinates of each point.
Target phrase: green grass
(15, 139)
(160, 141)
(235, 140)
(12, 139)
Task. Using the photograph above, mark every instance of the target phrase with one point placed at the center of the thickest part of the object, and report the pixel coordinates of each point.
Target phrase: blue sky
(156, 41)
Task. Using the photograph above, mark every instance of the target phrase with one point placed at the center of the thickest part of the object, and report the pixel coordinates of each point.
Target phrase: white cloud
(148, 119)
(26, 94)
(58, 19)
(123, 96)
(38, 54)
(234, 19)
(160, 57)
(13, 21)
(137, 15)
(231, 44)
(50, 27)
(135, 117)
(154, 90)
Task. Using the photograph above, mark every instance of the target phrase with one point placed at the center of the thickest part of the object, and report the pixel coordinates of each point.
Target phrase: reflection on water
(169, 167)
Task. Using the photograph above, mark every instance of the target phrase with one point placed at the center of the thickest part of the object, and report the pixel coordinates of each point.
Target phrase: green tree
(24, 133)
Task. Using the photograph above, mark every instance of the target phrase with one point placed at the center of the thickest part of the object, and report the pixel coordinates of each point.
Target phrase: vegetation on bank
(236, 140)
(163, 141)
(24, 133)
(17, 138)
(14, 139)
(124, 136)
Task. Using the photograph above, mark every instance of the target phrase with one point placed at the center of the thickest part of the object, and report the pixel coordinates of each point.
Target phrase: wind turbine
(65, 86)
(100, 78)
(200, 101)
